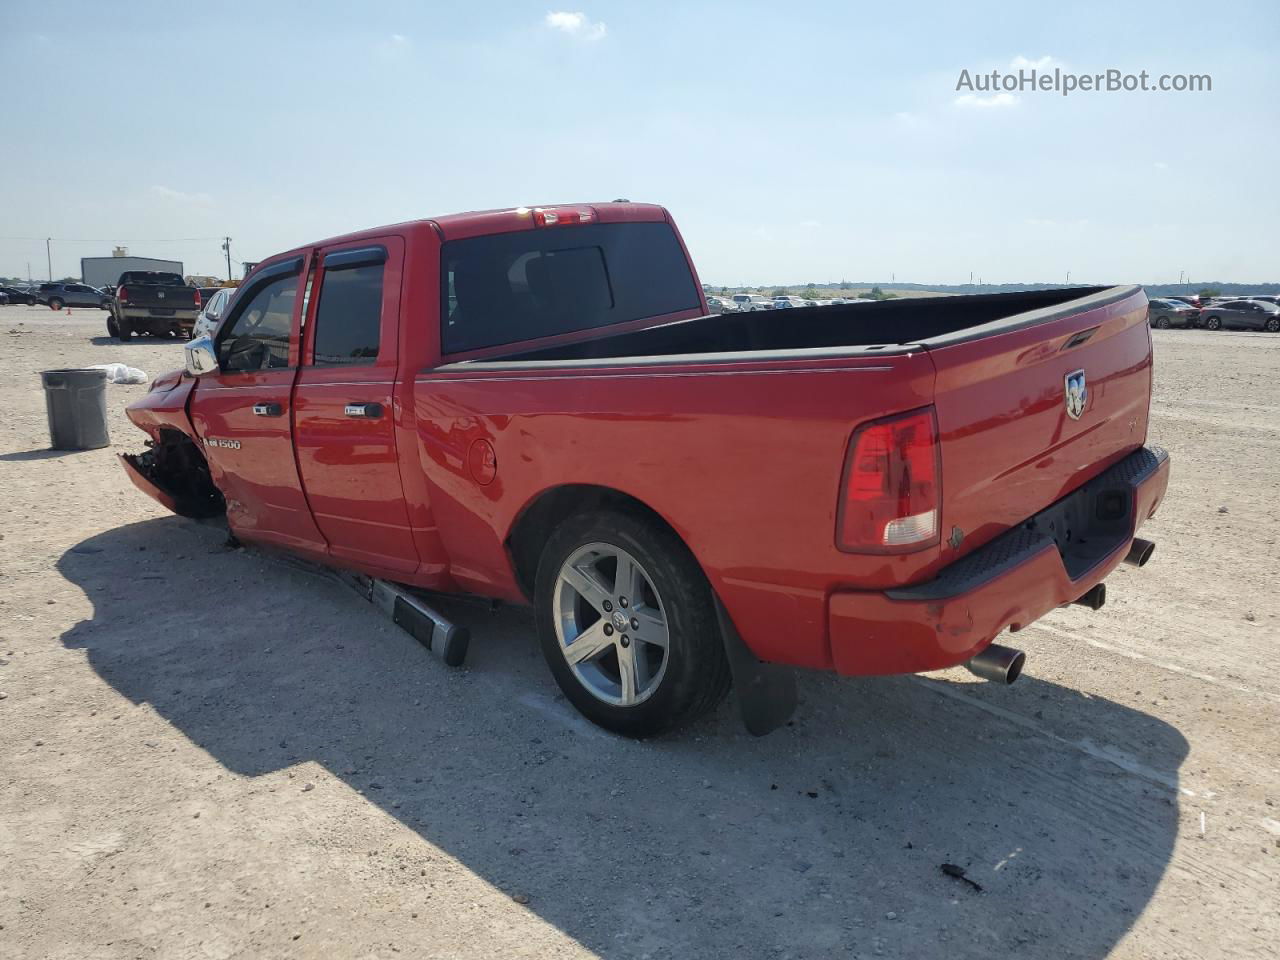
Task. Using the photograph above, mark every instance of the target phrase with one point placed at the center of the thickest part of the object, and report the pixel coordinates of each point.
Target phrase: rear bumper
(1051, 559)
(157, 320)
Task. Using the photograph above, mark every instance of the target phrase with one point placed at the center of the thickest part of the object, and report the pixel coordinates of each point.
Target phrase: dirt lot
(208, 753)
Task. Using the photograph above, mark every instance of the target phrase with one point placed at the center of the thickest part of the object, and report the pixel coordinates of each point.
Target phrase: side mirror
(201, 358)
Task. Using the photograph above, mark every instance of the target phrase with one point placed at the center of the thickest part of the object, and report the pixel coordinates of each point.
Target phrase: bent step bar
(428, 626)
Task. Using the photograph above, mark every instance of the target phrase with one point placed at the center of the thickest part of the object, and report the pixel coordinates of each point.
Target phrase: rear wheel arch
(545, 512)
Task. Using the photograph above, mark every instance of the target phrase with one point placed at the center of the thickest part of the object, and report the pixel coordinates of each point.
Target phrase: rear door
(243, 412)
(344, 412)
(78, 295)
(1035, 407)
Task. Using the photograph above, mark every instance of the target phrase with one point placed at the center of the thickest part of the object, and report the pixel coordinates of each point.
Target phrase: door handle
(267, 409)
(364, 411)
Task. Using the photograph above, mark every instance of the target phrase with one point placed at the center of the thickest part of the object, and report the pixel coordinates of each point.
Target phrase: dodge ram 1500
(534, 405)
(150, 301)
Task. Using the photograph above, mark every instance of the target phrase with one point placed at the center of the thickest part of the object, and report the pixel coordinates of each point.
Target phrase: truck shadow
(825, 838)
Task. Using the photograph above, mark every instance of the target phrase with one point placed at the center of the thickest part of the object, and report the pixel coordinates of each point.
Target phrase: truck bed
(735, 429)
(889, 323)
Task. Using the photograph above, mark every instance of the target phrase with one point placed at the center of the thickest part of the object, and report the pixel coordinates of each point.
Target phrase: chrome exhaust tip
(997, 663)
(1094, 598)
(1140, 552)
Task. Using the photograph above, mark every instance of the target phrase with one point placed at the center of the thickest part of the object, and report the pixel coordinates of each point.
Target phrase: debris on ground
(957, 871)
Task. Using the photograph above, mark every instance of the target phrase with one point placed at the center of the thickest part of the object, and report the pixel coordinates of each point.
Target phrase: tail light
(122, 294)
(197, 299)
(891, 494)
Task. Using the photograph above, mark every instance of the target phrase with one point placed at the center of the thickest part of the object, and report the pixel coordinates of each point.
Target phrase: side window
(349, 315)
(258, 338)
(217, 304)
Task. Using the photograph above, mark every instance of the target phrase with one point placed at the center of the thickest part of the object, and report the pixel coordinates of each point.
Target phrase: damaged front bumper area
(174, 473)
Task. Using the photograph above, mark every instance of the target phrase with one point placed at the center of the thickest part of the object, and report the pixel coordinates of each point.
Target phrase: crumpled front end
(172, 470)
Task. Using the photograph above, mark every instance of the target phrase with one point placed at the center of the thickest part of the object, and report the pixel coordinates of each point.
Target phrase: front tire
(1163, 323)
(55, 303)
(627, 623)
(1273, 325)
(1213, 323)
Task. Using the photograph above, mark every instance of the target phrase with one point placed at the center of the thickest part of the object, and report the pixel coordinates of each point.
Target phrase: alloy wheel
(611, 624)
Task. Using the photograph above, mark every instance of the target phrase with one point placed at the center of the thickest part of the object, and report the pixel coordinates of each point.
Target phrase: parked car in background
(1191, 299)
(154, 302)
(750, 302)
(1164, 314)
(59, 295)
(721, 305)
(1267, 298)
(19, 295)
(211, 313)
(1241, 314)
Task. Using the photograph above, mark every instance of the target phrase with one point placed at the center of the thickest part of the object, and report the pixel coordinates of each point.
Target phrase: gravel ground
(205, 752)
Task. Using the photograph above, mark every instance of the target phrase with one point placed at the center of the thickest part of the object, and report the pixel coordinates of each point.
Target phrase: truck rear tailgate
(1014, 438)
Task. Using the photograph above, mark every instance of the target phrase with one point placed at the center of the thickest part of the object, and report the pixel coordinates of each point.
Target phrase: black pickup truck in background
(150, 301)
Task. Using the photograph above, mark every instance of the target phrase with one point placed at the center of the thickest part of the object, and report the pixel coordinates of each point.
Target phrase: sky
(792, 142)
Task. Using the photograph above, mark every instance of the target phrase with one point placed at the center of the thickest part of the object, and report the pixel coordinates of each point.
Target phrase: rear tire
(124, 332)
(1213, 323)
(112, 329)
(1273, 325)
(56, 303)
(679, 673)
(1163, 323)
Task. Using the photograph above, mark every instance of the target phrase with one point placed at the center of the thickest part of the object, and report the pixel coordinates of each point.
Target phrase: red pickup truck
(535, 405)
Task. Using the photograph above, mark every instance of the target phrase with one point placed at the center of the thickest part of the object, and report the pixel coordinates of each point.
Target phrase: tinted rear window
(349, 316)
(158, 279)
(509, 287)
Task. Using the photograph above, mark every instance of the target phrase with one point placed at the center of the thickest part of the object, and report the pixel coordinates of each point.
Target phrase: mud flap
(766, 691)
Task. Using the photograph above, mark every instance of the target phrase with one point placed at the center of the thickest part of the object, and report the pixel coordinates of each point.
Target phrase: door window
(258, 338)
(349, 315)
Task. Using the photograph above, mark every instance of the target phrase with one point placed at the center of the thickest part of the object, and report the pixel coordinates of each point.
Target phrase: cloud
(178, 198)
(995, 100)
(575, 25)
(1026, 63)
(1161, 165)
(394, 47)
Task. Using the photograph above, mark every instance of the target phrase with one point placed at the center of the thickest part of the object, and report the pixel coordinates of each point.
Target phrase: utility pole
(48, 254)
(1068, 276)
(226, 247)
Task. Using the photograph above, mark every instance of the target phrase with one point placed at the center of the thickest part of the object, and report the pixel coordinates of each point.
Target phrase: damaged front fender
(173, 470)
(175, 474)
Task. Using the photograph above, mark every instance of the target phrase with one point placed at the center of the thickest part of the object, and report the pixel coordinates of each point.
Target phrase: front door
(344, 412)
(243, 412)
